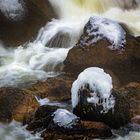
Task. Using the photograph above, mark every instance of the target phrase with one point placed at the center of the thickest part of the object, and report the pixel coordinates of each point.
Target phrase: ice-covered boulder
(12, 9)
(108, 45)
(99, 85)
(99, 28)
(57, 123)
(20, 20)
(94, 99)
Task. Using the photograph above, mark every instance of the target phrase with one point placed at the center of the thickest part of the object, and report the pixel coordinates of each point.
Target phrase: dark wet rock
(127, 106)
(123, 62)
(17, 32)
(16, 104)
(43, 120)
(87, 130)
(55, 89)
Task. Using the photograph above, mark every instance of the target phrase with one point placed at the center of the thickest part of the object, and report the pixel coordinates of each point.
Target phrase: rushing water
(44, 57)
(15, 131)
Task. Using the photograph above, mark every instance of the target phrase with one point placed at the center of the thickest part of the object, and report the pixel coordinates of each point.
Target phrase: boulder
(62, 124)
(55, 89)
(127, 106)
(99, 47)
(86, 130)
(16, 104)
(41, 118)
(16, 31)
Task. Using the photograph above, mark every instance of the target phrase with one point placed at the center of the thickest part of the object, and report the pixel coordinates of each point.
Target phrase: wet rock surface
(17, 32)
(16, 104)
(55, 89)
(43, 120)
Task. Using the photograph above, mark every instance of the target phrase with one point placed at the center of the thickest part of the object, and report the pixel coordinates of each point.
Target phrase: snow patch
(100, 86)
(98, 28)
(64, 118)
(13, 9)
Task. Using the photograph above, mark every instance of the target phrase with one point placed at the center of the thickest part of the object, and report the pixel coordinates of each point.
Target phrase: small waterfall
(41, 58)
(125, 11)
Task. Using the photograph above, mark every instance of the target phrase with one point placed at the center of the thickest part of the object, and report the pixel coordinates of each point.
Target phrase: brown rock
(16, 104)
(88, 130)
(55, 89)
(125, 65)
(38, 13)
(42, 119)
(127, 106)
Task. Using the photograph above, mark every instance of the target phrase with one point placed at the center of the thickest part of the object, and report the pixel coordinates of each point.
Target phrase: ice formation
(64, 118)
(100, 85)
(43, 101)
(12, 9)
(98, 28)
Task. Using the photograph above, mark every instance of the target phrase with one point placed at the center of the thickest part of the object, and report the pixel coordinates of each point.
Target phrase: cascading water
(44, 57)
(125, 11)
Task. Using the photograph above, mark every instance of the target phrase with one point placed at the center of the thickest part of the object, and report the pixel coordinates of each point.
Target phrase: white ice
(100, 85)
(12, 9)
(64, 118)
(105, 28)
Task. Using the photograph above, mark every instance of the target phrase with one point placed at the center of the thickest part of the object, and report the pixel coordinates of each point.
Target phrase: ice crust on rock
(100, 87)
(64, 118)
(99, 28)
(12, 9)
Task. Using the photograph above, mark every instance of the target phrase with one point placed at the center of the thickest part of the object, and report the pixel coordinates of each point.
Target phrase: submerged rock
(107, 45)
(16, 104)
(20, 21)
(62, 124)
(127, 106)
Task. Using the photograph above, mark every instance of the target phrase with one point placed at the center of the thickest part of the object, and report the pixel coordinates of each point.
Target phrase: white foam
(64, 118)
(35, 61)
(13, 9)
(15, 131)
(100, 85)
